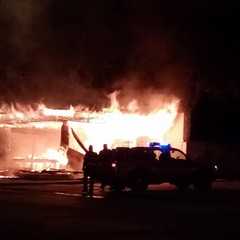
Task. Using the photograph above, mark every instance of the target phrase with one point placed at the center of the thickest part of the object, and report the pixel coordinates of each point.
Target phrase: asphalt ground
(229, 183)
(57, 209)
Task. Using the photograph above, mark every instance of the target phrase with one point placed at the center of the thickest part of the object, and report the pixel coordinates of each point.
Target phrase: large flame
(121, 127)
(116, 126)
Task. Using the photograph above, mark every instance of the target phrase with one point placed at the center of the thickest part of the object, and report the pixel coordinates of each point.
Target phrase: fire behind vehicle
(137, 167)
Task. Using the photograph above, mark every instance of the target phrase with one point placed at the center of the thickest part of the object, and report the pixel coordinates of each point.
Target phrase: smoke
(159, 71)
(77, 52)
(21, 16)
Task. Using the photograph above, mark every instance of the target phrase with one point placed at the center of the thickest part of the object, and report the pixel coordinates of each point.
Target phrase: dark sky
(75, 52)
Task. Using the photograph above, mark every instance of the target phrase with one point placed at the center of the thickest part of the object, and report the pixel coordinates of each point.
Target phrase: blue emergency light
(161, 146)
(154, 144)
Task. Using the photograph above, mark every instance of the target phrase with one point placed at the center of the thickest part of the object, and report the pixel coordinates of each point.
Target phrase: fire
(59, 155)
(116, 126)
(121, 127)
(57, 112)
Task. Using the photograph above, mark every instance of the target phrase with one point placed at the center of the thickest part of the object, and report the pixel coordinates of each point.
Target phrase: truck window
(176, 154)
(157, 154)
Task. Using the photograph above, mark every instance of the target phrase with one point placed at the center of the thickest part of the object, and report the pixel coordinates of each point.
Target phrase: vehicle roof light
(161, 146)
(165, 146)
(154, 144)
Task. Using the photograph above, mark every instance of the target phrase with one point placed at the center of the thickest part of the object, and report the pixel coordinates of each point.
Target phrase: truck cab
(137, 167)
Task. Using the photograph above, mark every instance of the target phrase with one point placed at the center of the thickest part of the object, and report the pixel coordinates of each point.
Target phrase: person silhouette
(90, 164)
(105, 161)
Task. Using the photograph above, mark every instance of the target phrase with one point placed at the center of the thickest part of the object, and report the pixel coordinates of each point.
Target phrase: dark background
(76, 52)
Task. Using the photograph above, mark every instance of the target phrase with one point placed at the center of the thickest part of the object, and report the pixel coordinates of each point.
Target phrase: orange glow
(125, 127)
(59, 155)
(57, 112)
(116, 126)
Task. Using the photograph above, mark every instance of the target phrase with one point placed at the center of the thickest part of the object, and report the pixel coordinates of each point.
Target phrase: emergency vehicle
(137, 167)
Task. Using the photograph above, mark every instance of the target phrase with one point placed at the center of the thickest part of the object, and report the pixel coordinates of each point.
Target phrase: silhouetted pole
(79, 141)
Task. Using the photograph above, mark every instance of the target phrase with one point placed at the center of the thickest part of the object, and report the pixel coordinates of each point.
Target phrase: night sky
(70, 52)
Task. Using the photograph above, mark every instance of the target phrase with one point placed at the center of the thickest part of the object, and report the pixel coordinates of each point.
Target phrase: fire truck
(138, 167)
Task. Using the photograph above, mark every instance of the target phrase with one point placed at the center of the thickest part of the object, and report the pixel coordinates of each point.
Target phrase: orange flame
(116, 126)
(120, 127)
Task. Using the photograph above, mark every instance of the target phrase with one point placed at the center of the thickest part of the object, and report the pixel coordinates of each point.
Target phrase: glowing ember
(59, 155)
(57, 112)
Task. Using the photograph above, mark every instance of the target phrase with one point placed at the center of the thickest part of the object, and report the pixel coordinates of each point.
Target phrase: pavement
(56, 177)
(4, 182)
(42, 178)
(8, 181)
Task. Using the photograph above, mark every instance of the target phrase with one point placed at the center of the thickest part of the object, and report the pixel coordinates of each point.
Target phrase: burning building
(45, 139)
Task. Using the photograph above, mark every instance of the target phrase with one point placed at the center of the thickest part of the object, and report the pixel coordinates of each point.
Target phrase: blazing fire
(115, 126)
(118, 127)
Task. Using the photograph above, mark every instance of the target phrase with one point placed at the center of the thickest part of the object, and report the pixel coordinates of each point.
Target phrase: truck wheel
(118, 187)
(139, 185)
(202, 182)
(182, 185)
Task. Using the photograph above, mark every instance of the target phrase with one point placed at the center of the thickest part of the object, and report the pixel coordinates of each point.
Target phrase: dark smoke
(76, 52)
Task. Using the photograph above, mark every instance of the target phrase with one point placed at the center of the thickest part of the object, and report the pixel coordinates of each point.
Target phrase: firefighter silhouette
(90, 164)
(105, 159)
